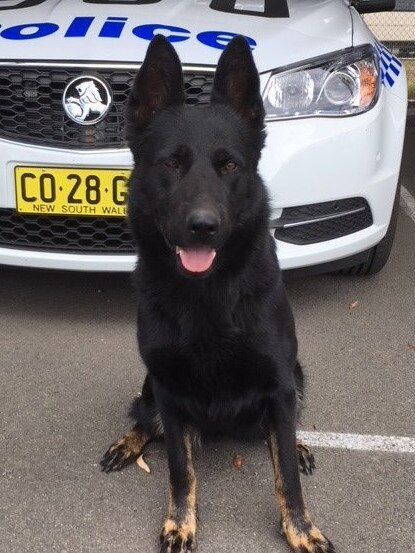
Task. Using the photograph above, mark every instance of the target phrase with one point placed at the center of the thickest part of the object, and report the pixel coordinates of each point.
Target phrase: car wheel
(379, 254)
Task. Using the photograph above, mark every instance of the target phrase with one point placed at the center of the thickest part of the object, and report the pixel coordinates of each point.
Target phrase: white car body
(306, 160)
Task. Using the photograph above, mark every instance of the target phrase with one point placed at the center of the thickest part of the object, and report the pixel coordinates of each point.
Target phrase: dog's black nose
(203, 222)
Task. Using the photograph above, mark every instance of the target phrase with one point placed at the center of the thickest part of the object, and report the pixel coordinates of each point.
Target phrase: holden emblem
(86, 100)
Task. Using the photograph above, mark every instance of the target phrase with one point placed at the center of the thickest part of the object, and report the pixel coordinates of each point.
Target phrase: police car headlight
(344, 83)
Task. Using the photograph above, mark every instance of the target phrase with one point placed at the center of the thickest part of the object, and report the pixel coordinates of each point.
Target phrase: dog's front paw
(176, 538)
(125, 450)
(118, 456)
(312, 541)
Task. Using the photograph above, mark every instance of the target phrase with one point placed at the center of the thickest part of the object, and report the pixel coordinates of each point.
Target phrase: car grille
(313, 223)
(65, 234)
(31, 107)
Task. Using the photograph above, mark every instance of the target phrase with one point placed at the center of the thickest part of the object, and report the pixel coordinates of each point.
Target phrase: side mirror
(372, 6)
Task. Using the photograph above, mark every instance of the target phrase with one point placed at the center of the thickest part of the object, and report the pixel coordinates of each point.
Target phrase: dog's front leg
(179, 529)
(296, 525)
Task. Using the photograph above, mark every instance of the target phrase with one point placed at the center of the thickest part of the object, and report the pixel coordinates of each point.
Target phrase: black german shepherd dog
(215, 330)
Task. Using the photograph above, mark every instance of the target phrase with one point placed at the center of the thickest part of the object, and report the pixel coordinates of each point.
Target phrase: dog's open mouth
(196, 260)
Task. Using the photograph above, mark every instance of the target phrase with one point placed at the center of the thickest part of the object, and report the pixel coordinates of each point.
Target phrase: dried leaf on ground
(142, 464)
(237, 461)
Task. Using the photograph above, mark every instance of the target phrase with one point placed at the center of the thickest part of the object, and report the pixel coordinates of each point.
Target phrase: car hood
(89, 30)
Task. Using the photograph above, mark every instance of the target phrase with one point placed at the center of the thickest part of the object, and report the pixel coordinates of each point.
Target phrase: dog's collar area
(197, 261)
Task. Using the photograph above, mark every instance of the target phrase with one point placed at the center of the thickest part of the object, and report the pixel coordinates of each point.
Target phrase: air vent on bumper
(313, 223)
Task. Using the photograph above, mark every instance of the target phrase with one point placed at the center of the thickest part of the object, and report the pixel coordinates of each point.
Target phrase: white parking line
(358, 442)
(408, 203)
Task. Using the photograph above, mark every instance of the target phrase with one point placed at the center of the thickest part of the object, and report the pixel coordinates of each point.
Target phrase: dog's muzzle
(202, 226)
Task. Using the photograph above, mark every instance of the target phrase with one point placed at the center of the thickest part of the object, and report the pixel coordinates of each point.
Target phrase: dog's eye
(171, 163)
(229, 167)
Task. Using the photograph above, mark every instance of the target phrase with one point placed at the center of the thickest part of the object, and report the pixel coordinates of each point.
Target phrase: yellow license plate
(68, 191)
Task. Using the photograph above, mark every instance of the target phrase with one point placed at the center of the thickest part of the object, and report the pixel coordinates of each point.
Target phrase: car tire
(379, 254)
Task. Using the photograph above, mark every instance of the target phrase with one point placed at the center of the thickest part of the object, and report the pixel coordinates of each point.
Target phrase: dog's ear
(158, 84)
(236, 82)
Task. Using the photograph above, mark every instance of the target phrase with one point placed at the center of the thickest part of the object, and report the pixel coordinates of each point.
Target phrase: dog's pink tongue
(198, 260)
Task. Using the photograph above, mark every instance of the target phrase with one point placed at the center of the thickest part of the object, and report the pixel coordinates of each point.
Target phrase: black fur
(219, 344)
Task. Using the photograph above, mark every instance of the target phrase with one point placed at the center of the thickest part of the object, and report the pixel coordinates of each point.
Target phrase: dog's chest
(227, 366)
(214, 387)
(210, 350)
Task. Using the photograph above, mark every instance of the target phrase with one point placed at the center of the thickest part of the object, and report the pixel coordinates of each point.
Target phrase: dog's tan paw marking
(177, 538)
(312, 541)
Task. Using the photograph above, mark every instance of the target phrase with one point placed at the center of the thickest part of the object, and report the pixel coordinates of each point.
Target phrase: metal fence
(396, 29)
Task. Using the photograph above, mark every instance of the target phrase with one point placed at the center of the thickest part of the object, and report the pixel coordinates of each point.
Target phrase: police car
(335, 102)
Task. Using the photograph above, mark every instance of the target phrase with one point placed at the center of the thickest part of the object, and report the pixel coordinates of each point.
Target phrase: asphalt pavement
(70, 368)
